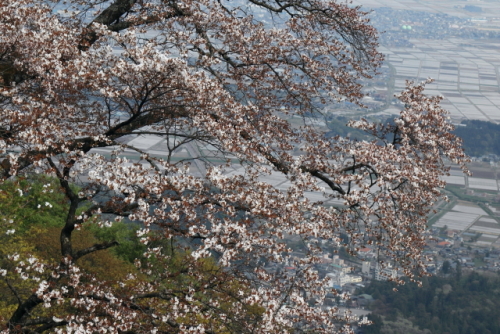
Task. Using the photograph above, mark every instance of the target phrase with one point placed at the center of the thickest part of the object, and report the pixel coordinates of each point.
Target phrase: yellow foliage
(103, 264)
(210, 283)
(201, 278)
(43, 243)
(10, 245)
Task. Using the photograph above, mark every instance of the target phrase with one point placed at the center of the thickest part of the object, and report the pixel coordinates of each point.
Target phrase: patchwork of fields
(469, 220)
(465, 73)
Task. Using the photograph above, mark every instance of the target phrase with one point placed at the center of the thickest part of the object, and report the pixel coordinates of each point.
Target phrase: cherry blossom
(81, 78)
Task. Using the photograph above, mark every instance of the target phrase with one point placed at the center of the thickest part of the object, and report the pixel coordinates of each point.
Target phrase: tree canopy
(451, 304)
(81, 78)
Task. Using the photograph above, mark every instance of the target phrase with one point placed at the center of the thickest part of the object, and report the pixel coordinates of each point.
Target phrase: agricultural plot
(485, 184)
(446, 7)
(488, 226)
(485, 242)
(489, 8)
(455, 179)
(460, 218)
(279, 181)
(144, 142)
(469, 218)
(465, 74)
(457, 221)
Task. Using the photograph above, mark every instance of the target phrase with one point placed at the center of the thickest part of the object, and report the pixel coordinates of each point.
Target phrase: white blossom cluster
(204, 72)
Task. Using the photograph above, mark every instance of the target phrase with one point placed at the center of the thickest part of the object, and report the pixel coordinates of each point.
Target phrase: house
(365, 268)
(366, 253)
(384, 274)
(341, 279)
(444, 244)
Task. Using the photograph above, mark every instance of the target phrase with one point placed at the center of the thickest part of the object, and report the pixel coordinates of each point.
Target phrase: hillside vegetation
(456, 304)
(479, 137)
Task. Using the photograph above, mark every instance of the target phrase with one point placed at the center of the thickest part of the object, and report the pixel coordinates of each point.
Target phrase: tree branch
(94, 248)
(14, 291)
(108, 16)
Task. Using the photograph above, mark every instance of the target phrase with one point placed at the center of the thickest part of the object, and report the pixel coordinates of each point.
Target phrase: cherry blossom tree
(81, 78)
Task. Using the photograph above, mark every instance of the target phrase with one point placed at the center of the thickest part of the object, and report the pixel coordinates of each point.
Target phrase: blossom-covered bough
(87, 74)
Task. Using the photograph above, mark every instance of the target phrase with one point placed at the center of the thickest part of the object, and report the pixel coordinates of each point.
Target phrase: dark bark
(108, 17)
(94, 248)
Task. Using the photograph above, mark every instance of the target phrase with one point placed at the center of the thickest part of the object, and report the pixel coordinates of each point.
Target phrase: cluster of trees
(79, 77)
(479, 137)
(455, 303)
(40, 205)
